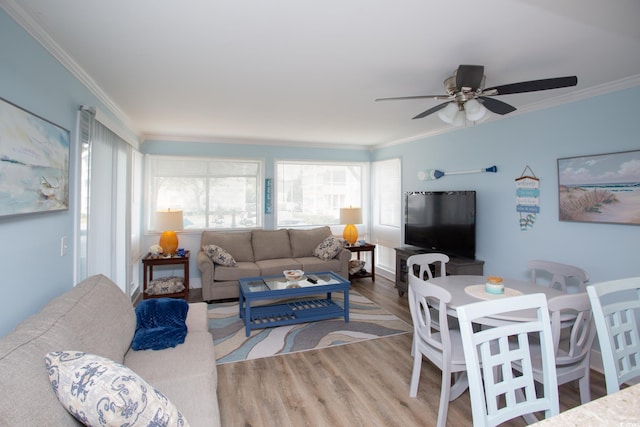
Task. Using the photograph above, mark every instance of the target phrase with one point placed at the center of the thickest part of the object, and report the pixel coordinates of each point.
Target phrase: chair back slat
(490, 355)
(615, 305)
(560, 274)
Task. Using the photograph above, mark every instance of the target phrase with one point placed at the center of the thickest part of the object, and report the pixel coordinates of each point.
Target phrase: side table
(149, 262)
(367, 247)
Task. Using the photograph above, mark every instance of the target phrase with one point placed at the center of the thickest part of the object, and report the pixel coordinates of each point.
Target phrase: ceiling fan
(468, 99)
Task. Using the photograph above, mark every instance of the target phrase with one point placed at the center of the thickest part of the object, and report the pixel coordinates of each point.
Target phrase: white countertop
(621, 409)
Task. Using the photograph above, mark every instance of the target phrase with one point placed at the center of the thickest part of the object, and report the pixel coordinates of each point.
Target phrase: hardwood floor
(360, 384)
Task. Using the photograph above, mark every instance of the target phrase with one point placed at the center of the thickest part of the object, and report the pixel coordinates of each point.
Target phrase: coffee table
(300, 310)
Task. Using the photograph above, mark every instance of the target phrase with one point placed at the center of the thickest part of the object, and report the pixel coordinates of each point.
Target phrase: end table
(149, 262)
(367, 247)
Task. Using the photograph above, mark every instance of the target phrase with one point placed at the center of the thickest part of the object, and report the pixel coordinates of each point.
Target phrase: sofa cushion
(276, 267)
(244, 269)
(313, 264)
(219, 255)
(237, 243)
(303, 242)
(100, 392)
(270, 244)
(329, 248)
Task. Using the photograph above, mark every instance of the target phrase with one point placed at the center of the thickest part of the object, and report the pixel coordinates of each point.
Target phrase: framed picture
(600, 188)
(34, 163)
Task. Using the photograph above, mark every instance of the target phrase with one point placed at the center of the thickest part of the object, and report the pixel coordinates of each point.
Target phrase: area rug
(366, 321)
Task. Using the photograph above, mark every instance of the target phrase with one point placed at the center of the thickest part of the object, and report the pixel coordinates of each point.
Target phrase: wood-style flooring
(360, 384)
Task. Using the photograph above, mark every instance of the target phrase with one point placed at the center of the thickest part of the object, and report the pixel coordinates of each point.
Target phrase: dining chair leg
(445, 389)
(585, 389)
(415, 374)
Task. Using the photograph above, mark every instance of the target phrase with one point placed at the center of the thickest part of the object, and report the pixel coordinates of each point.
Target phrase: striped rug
(366, 321)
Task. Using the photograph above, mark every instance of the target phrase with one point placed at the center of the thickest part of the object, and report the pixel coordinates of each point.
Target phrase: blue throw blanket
(160, 324)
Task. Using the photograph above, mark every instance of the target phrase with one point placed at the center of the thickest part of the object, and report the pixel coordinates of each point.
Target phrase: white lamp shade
(168, 220)
(459, 119)
(474, 110)
(350, 216)
(448, 113)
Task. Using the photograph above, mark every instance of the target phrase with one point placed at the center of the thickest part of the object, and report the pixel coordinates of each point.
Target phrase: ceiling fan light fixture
(474, 110)
(448, 113)
(460, 118)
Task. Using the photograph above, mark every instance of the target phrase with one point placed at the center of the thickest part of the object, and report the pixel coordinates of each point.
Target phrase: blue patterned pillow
(219, 256)
(329, 247)
(100, 392)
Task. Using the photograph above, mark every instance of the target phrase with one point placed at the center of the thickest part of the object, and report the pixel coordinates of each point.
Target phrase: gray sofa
(96, 317)
(263, 253)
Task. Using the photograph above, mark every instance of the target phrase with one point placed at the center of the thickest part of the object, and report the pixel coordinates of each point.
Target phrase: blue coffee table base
(299, 311)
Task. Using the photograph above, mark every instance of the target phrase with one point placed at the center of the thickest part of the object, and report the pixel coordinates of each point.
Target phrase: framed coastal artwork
(34, 163)
(600, 188)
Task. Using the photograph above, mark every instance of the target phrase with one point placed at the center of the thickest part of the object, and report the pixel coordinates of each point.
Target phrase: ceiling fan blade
(399, 98)
(469, 76)
(431, 110)
(497, 106)
(532, 86)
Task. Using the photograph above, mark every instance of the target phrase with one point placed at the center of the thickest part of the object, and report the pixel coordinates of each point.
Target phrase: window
(212, 193)
(310, 193)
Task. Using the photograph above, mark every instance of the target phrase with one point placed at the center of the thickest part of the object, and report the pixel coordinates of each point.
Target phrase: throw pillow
(219, 256)
(165, 285)
(100, 392)
(356, 266)
(329, 248)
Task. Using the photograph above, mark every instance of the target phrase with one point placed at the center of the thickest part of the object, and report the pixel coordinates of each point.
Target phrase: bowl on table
(293, 274)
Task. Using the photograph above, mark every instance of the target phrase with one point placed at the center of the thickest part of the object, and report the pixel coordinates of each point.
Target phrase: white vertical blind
(387, 211)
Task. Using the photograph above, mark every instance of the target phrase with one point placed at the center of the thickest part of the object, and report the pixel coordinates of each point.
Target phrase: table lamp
(350, 216)
(169, 221)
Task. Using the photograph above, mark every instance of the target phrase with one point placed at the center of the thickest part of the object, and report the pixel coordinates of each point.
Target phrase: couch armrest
(206, 267)
(197, 319)
(344, 256)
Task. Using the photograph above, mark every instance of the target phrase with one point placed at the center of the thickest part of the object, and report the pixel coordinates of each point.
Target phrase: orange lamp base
(169, 242)
(350, 234)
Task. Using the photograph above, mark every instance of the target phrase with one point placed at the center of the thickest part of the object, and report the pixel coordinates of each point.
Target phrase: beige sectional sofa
(264, 253)
(96, 317)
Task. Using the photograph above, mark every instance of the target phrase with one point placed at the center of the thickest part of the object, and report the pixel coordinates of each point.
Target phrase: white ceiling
(305, 71)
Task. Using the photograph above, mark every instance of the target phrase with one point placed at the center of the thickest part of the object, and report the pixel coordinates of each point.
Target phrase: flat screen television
(442, 221)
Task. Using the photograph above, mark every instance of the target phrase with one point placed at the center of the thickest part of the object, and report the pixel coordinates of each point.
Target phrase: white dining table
(467, 289)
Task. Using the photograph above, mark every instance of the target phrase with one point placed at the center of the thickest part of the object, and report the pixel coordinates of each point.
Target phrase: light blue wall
(598, 125)
(33, 271)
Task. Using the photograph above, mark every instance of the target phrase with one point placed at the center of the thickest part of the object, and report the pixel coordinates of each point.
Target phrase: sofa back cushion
(303, 242)
(270, 244)
(95, 316)
(237, 243)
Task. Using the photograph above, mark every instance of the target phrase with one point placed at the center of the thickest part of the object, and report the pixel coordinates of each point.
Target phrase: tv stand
(455, 266)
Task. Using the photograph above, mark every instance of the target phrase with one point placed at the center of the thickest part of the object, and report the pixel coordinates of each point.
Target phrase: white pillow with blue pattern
(219, 256)
(100, 392)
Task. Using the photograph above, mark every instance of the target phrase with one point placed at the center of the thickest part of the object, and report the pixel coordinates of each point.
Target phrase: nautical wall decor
(527, 198)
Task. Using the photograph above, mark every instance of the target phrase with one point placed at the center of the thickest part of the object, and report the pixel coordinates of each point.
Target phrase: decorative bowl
(293, 274)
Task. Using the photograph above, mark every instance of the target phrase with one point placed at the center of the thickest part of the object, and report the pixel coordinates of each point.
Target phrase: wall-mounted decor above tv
(442, 221)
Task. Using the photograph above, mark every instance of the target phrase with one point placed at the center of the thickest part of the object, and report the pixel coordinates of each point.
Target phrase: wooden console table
(367, 247)
(149, 262)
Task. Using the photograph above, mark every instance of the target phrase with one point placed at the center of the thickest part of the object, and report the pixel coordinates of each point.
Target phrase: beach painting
(600, 188)
(34, 163)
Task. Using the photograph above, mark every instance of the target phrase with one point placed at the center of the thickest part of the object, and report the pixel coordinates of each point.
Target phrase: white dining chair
(557, 275)
(615, 305)
(443, 348)
(426, 267)
(498, 392)
(573, 334)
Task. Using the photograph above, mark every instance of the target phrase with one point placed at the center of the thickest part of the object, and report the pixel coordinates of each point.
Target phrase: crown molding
(13, 8)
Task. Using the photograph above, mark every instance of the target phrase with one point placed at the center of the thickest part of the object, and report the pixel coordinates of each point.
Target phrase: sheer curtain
(387, 213)
(104, 236)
